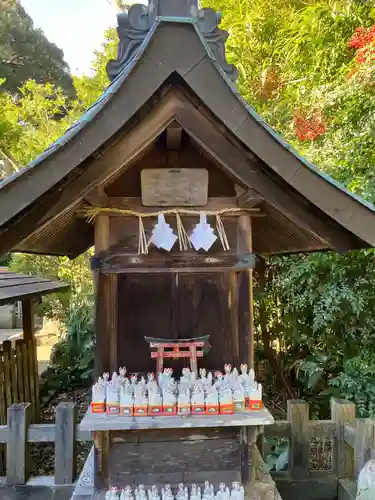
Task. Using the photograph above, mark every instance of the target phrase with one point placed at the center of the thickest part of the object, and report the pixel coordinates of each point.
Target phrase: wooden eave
(43, 198)
(16, 287)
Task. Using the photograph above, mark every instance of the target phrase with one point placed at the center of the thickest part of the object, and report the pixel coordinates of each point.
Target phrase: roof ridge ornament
(208, 24)
(135, 23)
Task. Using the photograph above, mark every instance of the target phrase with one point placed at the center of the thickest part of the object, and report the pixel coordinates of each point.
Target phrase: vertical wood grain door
(172, 306)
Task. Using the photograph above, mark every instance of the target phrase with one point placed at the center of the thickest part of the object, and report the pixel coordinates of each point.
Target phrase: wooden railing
(18, 381)
(18, 433)
(19, 377)
(352, 444)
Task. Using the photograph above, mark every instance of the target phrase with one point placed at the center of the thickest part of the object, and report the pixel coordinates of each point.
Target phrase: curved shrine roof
(156, 43)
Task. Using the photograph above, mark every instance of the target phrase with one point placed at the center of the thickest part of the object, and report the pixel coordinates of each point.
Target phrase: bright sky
(75, 26)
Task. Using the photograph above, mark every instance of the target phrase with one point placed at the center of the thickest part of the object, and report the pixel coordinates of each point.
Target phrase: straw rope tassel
(92, 212)
(142, 240)
(183, 238)
(221, 232)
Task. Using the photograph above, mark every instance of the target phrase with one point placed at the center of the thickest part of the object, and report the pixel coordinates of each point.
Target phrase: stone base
(84, 488)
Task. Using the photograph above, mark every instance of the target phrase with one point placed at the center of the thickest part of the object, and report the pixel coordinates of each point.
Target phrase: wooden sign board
(174, 187)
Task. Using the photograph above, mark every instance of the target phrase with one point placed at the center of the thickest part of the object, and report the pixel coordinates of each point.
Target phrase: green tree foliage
(308, 69)
(25, 53)
(29, 123)
(72, 360)
(40, 113)
(89, 88)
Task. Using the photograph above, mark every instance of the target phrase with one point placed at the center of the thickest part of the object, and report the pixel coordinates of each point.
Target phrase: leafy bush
(72, 360)
(357, 383)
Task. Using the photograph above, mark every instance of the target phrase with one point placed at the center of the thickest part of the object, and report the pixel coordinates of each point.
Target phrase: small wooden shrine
(19, 378)
(171, 144)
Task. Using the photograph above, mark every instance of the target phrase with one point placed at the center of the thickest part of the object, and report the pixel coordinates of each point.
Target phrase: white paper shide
(203, 235)
(163, 235)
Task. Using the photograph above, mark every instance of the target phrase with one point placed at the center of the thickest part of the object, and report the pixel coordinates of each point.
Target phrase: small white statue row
(182, 493)
(208, 394)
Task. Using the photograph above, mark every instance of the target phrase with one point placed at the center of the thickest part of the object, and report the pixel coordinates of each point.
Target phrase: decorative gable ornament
(203, 235)
(136, 22)
(162, 235)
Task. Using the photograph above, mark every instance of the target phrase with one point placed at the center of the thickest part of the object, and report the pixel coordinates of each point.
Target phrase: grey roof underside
(178, 47)
(16, 286)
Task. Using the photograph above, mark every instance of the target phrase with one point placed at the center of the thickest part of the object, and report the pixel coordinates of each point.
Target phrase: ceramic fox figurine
(98, 396)
(153, 493)
(140, 493)
(112, 494)
(195, 493)
(237, 492)
(127, 494)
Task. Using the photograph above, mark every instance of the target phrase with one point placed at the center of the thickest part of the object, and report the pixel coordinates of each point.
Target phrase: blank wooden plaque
(179, 187)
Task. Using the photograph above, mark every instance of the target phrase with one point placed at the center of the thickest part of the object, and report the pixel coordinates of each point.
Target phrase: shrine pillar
(242, 286)
(105, 289)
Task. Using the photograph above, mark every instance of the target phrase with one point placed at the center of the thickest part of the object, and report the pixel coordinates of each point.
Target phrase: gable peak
(135, 23)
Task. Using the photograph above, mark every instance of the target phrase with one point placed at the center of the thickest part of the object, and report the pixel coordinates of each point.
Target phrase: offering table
(175, 449)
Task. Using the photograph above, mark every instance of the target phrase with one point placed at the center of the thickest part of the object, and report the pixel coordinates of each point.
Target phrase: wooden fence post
(17, 459)
(298, 416)
(364, 442)
(342, 412)
(65, 459)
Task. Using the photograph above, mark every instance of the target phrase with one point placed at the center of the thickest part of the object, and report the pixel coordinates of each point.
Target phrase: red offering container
(113, 409)
(98, 407)
(183, 410)
(169, 410)
(226, 409)
(154, 410)
(126, 410)
(256, 404)
(247, 402)
(212, 409)
(197, 409)
(140, 410)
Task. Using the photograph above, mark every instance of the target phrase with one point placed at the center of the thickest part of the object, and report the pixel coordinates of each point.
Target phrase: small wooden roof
(15, 286)
(171, 67)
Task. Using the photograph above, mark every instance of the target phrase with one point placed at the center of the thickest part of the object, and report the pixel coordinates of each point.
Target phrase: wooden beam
(174, 135)
(364, 443)
(234, 312)
(101, 239)
(184, 262)
(214, 203)
(298, 416)
(135, 203)
(102, 232)
(246, 299)
(97, 197)
(343, 413)
(17, 447)
(65, 444)
(28, 319)
(250, 199)
(112, 321)
(102, 352)
(102, 363)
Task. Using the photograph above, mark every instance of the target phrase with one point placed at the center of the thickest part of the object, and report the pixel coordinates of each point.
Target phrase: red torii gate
(176, 349)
